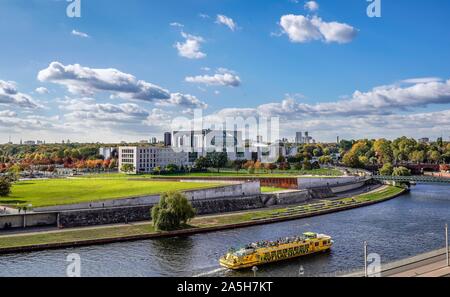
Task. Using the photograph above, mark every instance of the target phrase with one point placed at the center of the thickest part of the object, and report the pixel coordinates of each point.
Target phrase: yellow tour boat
(265, 252)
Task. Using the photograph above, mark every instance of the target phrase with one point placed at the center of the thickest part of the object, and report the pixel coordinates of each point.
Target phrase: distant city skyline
(124, 71)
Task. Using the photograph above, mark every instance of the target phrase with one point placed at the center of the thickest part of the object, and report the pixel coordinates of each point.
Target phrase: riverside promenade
(431, 264)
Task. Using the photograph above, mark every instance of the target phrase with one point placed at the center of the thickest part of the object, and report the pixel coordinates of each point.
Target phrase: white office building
(145, 159)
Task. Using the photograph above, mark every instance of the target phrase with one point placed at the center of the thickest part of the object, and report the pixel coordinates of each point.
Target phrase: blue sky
(276, 57)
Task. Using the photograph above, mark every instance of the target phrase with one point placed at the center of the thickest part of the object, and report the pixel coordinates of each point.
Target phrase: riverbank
(120, 233)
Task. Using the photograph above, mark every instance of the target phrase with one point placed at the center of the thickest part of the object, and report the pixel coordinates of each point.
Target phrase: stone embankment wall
(92, 217)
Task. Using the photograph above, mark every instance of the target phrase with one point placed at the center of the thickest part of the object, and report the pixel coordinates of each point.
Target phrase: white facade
(146, 158)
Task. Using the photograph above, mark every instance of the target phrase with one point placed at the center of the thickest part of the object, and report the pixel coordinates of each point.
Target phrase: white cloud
(223, 77)
(312, 6)
(80, 34)
(183, 100)
(301, 29)
(227, 21)
(42, 90)
(379, 101)
(87, 81)
(85, 109)
(191, 47)
(9, 95)
(175, 24)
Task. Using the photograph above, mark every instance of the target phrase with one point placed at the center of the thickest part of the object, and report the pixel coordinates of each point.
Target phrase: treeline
(366, 153)
(47, 156)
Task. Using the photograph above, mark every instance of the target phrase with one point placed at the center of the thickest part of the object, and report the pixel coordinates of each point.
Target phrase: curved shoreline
(187, 232)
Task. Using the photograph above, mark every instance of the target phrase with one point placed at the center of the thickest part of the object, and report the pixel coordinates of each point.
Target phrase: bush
(5, 187)
(172, 211)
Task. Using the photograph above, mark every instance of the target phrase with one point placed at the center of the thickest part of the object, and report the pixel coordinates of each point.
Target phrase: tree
(387, 169)
(171, 168)
(172, 211)
(202, 163)
(5, 187)
(434, 156)
(218, 160)
(127, 168)
(401, 171)
(14, 172)
(383, 151)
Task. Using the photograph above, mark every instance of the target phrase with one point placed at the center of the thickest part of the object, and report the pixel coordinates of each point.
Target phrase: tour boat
(265, 252)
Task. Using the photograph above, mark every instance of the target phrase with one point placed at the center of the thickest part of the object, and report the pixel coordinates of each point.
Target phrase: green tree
(171, 168)
(218, 160)
(383, 151)
(387, 169)
(5, 187)
(127, 168)
(172, 211)
(434, 156)
(401, 171)
(202, 163)
(14, 172)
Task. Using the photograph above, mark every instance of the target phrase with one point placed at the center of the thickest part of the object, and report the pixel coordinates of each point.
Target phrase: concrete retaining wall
(92, 217)
(29, 220)
(308, 183)
(349, 187)
(237, 190)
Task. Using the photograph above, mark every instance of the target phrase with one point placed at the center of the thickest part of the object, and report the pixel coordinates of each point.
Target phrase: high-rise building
(299, 138)
(167, 139)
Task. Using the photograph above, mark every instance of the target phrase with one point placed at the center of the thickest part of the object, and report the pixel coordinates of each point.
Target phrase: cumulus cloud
(223, 77)
(80, 34)
(312, 6)
(191, 47)
(227, 21)
(86, 109)
(42, 90)
(87, 81)
(380, 100)
(301, 29)
(183, 100)
(9, 95)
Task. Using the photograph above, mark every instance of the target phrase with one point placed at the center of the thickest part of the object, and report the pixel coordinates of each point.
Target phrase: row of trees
(403, 150)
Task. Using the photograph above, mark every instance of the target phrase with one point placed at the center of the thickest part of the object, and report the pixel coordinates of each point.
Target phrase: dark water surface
(403, 227)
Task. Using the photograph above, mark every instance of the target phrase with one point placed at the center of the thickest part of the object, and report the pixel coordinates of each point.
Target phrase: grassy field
(325, 172)
(102, 232)
(271, 189)
(52, 192)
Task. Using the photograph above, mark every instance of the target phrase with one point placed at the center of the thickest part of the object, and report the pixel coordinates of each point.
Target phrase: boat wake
(212, 272)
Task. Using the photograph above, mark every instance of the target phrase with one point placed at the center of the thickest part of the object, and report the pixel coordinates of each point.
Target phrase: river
(396, 229)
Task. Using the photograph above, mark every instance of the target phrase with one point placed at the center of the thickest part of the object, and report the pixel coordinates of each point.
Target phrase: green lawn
(323, 172)
(271, 189)
(52, 192)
